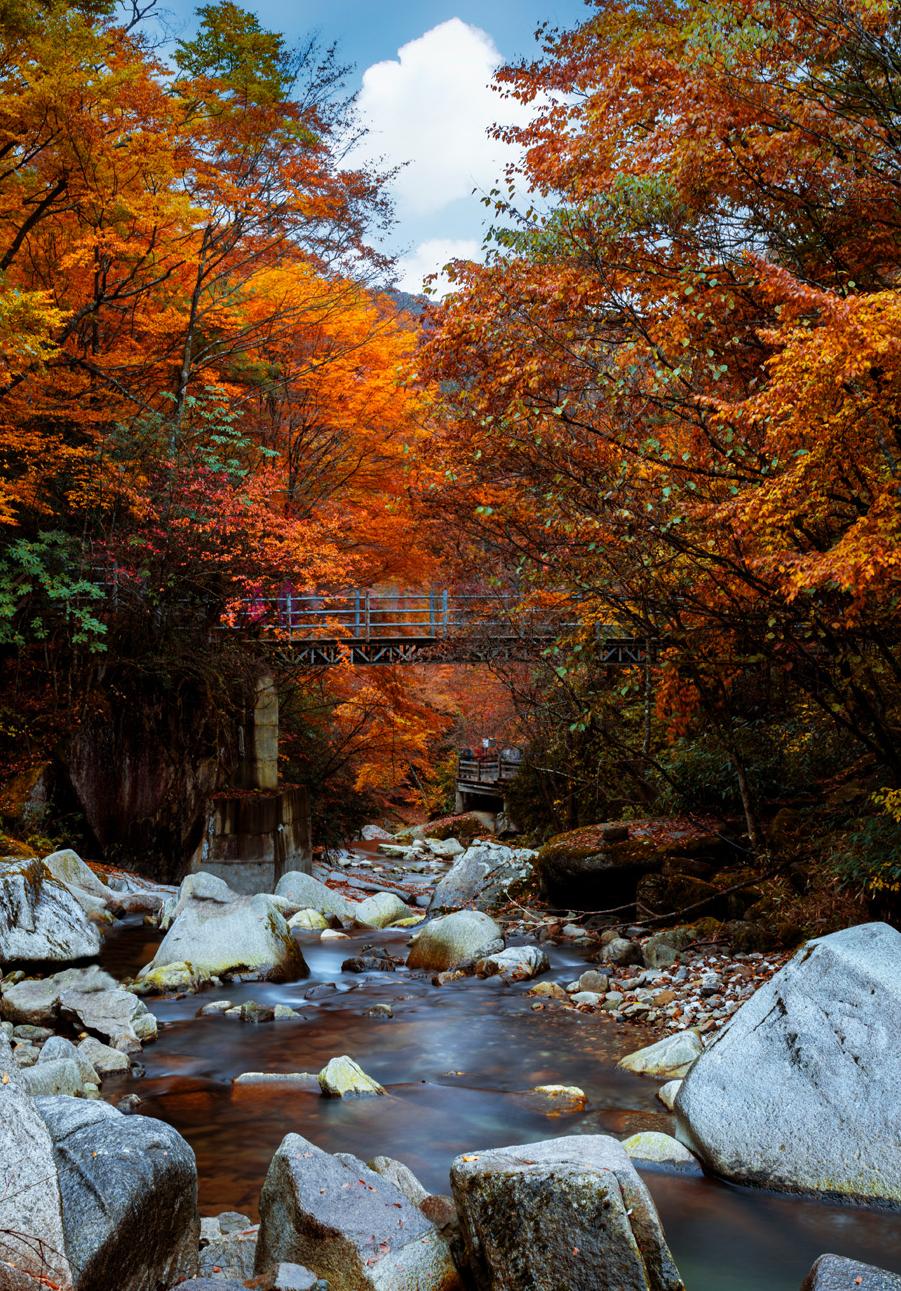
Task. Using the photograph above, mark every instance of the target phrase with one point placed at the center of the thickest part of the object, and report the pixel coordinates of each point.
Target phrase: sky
(422, 70)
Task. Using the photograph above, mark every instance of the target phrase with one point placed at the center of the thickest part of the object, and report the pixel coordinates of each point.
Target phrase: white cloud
(431, 107)
(430, 257)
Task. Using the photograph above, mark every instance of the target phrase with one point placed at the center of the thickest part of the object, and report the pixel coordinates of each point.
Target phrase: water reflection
(455, 1061)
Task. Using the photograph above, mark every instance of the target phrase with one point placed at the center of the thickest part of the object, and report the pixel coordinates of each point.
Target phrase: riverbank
(461, 1063)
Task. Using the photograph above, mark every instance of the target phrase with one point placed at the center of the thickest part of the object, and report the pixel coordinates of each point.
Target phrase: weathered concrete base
(254, 837)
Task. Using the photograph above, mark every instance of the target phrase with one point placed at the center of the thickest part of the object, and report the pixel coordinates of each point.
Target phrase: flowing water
(457, 1062)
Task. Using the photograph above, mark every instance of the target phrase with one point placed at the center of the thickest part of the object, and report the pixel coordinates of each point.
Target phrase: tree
(672, 390)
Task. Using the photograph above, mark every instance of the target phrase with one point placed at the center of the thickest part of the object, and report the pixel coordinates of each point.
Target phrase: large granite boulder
(40, 919)
(834, 1273)
(800, 1090)
(128, 1191)
(309, 894)
(32, 1244)
(569, 1212)
(214, 932)
(347, 1224)
(453, 940)
(484, 878)
(91, 1199)
(599, 866)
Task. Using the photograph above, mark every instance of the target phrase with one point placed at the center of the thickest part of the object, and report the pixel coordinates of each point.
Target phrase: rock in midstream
(569, 1212)
(214, 931)
(454, 939)
(347, 1224)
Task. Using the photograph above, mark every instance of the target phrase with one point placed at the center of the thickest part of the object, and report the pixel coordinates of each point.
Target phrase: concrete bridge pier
(257, 831)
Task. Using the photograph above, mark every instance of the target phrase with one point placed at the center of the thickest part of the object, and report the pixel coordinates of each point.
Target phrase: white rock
(374, 834)
(515, 964)
(70, 869)
(667, 1093)
(104, 1059)
(213, 936)
(381, 910)
(672, 1056)
(308, 920)
(40, 919)
(446, 849)
(661, 1149)
(58, 1047)
(116, 1014)
(801, 1089)
(482, 877)
(56, 1076)
(309, 894)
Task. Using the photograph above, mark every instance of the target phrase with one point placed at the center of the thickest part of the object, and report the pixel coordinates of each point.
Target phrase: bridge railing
(489, 770)
(366, 615)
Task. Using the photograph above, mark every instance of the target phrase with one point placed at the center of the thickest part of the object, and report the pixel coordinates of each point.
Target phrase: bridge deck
(319, 631)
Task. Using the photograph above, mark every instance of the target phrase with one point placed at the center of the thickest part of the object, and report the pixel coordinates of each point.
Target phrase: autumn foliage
(673, 390)
(667, 403)
(203, 392)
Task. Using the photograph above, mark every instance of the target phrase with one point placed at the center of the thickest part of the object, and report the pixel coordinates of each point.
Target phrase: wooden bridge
(315, 630)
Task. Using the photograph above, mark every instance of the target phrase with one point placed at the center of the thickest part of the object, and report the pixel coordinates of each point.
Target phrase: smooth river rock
(113, 1013)
(309, 894)
(483, 878)
(89, 891)
(347, 1224)
(454, 939)
(659, 1149)
(834, 1273)
(801, 1089)
(381, 910)
(36, 1000)
(40, 919)
(669, 1058)
(569, 1212)
(341, 1077)
(214, 932)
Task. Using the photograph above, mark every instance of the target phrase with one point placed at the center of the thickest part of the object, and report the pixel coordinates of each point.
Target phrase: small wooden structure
(483, 778)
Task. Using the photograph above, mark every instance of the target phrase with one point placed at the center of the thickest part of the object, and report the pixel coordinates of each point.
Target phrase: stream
(457, 1062)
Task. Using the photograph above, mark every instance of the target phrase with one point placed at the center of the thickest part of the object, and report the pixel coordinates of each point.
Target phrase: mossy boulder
(465, 827)
(599, 866)
(216, 936)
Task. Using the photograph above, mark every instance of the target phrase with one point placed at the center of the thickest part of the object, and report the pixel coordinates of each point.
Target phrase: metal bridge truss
(320, 631)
